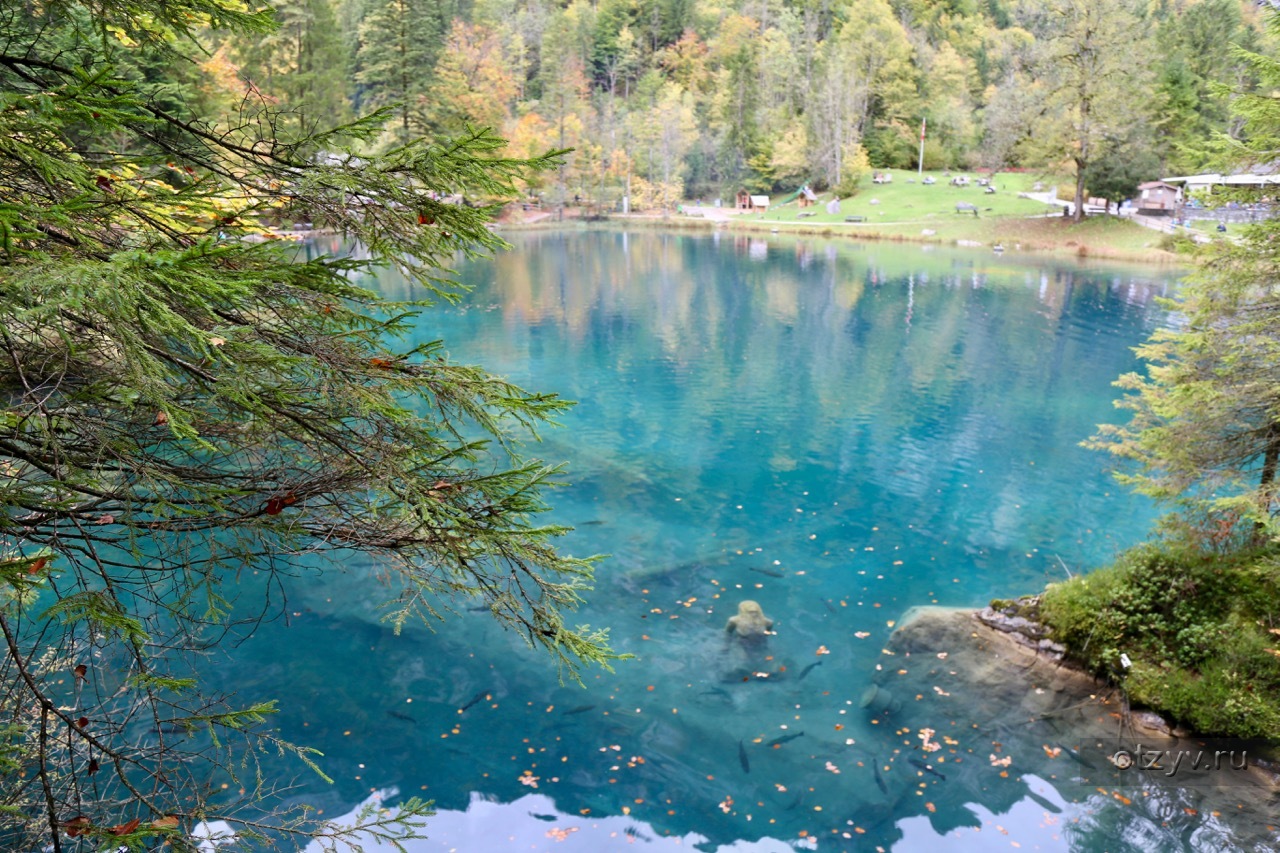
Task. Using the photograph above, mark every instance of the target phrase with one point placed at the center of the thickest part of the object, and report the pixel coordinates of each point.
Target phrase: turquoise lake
(838, 431)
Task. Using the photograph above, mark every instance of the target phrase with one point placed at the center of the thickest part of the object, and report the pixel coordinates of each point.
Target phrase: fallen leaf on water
(93, 766)
(167, 822)
(931, 807)
(861, 635)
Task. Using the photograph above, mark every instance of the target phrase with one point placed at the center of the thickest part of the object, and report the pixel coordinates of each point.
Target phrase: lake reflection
(836, 431)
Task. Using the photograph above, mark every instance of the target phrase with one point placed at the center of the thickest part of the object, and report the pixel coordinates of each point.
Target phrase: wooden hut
(807, 197)
(749, 202)
(1156, 198)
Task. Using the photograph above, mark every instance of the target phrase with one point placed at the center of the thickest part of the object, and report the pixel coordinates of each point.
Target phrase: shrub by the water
(1202, 632)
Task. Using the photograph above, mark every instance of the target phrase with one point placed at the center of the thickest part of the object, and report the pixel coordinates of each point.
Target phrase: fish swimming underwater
(474, 699)
(778, 741)
(742, 758)
(884, 789)
(808, 669)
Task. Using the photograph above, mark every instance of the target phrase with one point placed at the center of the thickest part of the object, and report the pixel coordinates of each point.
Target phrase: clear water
(837, 431)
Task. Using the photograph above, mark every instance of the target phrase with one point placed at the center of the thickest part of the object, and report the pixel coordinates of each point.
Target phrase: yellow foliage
(655, 196)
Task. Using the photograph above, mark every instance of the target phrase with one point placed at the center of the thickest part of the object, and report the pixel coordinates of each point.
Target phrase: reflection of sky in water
(839, 432)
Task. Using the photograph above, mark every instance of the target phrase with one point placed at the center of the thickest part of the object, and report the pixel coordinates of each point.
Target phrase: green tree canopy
(186, 399)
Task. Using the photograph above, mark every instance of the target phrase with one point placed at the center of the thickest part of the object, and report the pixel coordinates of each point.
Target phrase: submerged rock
(1003, 701)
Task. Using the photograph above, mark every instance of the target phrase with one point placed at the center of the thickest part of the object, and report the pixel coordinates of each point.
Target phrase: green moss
(1197, 628)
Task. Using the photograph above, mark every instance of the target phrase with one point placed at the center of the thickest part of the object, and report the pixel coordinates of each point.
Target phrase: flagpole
(920, 164)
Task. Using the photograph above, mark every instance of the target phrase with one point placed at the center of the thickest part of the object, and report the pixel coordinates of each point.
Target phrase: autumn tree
(736, 103)
(1092, 88)
(475, 80)
(187, 400)
(866, 61)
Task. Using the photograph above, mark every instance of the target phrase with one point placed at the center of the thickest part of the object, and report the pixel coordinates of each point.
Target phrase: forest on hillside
(674, 99)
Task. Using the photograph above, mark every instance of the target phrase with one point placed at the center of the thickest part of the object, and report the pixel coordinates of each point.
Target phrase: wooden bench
(855, 219)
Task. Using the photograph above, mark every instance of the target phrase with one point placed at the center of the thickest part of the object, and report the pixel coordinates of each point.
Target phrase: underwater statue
(750, 625)
(746, 654)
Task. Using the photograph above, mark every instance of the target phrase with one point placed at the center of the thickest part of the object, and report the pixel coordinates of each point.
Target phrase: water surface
(834, 430)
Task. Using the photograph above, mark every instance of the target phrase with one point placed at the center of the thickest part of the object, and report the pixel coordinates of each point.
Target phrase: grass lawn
(906, 200)
(910, 210)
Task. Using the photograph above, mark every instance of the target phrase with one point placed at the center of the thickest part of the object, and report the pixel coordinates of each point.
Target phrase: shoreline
(851, 231)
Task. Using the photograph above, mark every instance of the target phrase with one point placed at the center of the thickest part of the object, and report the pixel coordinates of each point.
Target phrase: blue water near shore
(837, 431)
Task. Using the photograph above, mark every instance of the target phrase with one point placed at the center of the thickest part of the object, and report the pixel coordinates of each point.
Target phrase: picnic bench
(855, 219)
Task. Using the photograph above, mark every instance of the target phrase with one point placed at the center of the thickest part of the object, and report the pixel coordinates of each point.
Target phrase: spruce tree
(301, 63)
(186, 399)
(400, 42)
(1205, 430)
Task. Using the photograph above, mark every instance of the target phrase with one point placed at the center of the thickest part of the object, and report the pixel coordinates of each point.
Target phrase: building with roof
(1157, 198)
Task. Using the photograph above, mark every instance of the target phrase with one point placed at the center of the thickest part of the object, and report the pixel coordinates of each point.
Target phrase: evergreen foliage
(186, 402)
(1205, 430)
